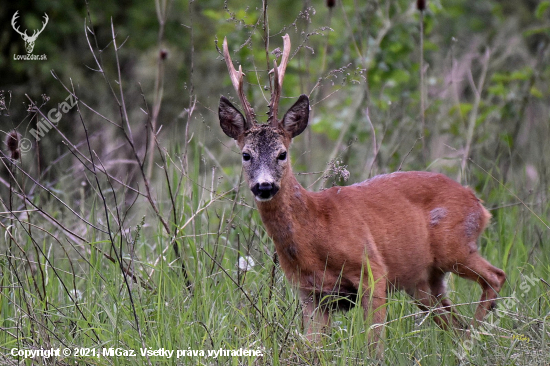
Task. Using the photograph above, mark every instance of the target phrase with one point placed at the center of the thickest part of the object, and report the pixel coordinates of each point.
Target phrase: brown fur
(385, 220)
(408, 228)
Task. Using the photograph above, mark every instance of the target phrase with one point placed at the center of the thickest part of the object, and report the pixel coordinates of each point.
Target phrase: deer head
(264, 147)
(29, 40)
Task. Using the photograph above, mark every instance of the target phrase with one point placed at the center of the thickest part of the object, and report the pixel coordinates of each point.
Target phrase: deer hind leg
(429, 296)
(446, 313)
(316, 317)
(489, 277)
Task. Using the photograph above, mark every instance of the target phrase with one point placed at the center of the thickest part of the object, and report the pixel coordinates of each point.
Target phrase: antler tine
(36, 31)
(44, 23)
(237, 80)
(278, 77)
(15, 26)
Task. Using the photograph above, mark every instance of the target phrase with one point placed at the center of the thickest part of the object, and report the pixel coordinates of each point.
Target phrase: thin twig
(473, 114)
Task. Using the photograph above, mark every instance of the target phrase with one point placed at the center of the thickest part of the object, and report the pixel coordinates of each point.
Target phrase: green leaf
(212, 14)
(539, 12)
(399, 76)
(522, 74)
(463, 109)
(535, 92)
(430, 46)
(538, 30)
(498, 90)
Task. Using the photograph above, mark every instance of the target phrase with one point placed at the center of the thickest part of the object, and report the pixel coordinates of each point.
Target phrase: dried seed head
(163, 54)
(331, 3)
(421, 5)
(12, 141)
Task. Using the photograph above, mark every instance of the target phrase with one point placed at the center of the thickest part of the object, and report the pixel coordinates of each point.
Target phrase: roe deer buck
(407, 228)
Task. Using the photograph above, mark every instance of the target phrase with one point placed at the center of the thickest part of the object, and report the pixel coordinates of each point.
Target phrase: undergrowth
(156, 244)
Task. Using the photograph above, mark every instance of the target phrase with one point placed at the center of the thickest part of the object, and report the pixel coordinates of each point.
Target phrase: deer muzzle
(264, 191)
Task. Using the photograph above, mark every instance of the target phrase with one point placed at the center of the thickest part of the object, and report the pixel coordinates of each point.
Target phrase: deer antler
(16, 28)
(237, 80)
(278, 76)
(24, 34)
(36, 33)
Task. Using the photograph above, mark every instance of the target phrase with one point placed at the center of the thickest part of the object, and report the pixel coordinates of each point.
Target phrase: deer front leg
(315, 318)
(374, 305)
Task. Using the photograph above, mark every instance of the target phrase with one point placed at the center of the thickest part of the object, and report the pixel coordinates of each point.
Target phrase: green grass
(227, 309)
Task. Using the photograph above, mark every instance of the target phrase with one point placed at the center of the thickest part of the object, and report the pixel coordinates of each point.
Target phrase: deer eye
(246, 156)
(282, 156)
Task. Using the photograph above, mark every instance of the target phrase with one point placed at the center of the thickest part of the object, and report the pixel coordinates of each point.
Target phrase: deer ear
(232, 121)
(296, 118)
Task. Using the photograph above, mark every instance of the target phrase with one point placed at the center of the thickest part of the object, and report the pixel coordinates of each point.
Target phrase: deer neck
(287, 214)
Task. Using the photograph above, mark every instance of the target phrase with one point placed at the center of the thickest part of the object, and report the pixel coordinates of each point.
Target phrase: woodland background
(115, 236)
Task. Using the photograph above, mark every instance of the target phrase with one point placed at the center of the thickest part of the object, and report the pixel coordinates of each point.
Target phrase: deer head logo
(29, 40)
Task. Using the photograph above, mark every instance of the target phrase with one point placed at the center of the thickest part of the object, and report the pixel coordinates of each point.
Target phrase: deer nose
(264, 191)
(265, 187)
